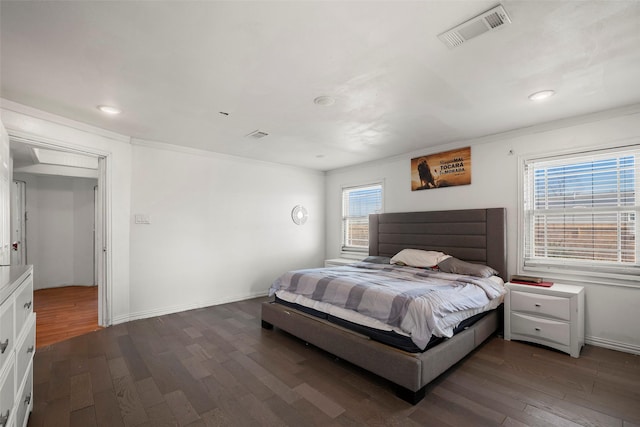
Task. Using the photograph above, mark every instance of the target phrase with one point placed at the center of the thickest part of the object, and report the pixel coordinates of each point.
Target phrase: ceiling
(173, 67)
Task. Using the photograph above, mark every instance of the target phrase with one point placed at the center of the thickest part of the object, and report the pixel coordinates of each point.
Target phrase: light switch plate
(142, 219)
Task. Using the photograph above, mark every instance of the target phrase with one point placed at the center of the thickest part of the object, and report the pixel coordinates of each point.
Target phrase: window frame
(354, 251)
(576, 270)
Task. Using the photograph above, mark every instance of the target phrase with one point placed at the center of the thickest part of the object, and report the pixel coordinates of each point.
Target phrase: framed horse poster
(445, 169)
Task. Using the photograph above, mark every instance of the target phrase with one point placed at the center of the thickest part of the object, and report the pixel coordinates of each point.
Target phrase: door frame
(104, 226)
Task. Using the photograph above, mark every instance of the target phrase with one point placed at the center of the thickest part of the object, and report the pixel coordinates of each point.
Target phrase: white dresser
(17, 345)
(551, 316)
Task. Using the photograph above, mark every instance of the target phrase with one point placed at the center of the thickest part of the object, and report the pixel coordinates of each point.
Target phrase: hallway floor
(64, 313)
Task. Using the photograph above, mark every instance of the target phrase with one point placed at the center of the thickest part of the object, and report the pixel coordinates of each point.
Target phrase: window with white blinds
(581, 212)
(357, 204)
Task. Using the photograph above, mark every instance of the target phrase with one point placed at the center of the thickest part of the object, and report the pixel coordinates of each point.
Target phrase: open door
(18, 223)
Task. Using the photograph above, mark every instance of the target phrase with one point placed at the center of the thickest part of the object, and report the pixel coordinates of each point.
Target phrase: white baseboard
(178, 308)
(613, 345)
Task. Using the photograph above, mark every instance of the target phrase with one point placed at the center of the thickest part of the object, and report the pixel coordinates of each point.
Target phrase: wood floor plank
(107, 410)
(137, 367)
(160, 415)
(57, 413)
(216, 366)
(148, 392)
(244, 376)
(181, 408)
(100, 374)
(81, 392)
(131, 408)
(319, 400)
(84, 417)
(260, 411)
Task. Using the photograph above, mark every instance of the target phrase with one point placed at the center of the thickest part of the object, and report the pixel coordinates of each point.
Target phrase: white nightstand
(336, 262)
(551, 316)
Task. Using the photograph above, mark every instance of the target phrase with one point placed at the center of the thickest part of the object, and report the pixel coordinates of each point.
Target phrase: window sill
(572, 276)
(356, 256)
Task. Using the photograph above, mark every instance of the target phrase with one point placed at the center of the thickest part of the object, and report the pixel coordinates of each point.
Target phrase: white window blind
(582, 212)
(357, 204)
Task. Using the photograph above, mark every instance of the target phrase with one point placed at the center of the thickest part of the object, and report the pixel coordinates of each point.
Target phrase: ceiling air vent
(257, 134)
(487, 21)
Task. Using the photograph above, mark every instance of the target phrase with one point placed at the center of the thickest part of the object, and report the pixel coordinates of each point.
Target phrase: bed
(473, 235)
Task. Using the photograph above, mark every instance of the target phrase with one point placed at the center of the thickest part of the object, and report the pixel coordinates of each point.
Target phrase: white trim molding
(145, 314)
(613, 345)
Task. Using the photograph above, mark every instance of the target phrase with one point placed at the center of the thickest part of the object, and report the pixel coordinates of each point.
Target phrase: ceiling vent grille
(487, 21)
(257, 134)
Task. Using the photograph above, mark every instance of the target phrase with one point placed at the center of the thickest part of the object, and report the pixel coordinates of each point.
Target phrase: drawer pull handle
(4, 419)
(27, 399)
(4, 345)
(27, 305)
(537, 329)
(537, 305)
(30, 349)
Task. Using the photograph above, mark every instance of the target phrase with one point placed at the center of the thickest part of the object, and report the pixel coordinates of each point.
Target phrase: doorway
(102, 258)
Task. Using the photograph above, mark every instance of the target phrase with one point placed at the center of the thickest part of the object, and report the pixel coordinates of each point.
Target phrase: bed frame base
(410, 372)
(412, 397)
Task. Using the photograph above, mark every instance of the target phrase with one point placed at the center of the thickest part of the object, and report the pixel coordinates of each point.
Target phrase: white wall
(60, 229)
(610, 310)
(220, 227)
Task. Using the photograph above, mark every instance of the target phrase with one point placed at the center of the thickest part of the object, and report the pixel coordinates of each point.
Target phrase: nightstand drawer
(543, 329)
(543, 305)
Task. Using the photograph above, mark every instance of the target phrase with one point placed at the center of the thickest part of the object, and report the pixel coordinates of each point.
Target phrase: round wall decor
(299, 214)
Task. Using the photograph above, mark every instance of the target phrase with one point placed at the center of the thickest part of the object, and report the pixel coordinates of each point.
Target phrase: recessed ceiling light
(324, 100)
(108, 109)
(543, 94)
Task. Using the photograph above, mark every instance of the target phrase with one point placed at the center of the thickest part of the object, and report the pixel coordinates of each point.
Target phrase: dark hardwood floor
(216, 366)
(65, 312)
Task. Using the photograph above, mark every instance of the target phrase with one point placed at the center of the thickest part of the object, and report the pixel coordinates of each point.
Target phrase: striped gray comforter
(411, 299)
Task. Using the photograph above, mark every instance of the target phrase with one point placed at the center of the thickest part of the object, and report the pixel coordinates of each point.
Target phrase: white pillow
(418, 258)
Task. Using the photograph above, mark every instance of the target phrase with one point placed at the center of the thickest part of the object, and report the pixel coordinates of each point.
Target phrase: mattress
(391, 338)
(299, 289)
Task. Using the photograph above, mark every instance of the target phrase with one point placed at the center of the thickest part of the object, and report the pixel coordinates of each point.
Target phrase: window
(581, 213)
(357, 204)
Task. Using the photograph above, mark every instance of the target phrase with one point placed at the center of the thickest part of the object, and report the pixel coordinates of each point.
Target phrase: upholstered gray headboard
(474, 235)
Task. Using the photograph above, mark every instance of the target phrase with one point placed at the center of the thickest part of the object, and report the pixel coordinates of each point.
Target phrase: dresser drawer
(542, 305)
(7, 390)
(24, 303)
(6, 331)
(25, 401)
(26, 348)
(542, 329)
